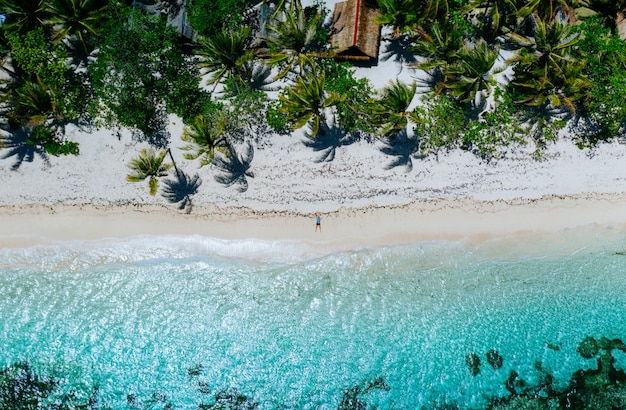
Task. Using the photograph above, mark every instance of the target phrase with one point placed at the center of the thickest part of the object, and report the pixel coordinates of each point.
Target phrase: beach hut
(356, 35)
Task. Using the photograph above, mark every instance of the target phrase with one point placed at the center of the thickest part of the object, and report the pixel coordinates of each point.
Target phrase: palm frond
(149, 164)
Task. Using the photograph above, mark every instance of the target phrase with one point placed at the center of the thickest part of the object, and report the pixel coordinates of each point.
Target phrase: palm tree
(400, 14)
(23, 15)
(149, 164)
(435, 10)
(546, 9)
(562, 90)
(204, 137)
(390, 111)
(548, 48)
(79, 18)
(495, 15)
(32, 103)
(544, 69)
(306, 101)
(472, 76)
(290, 39)
(225, 54)
(440, 48)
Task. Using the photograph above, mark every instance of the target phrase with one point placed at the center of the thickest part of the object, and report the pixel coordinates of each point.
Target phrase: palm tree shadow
(18, 146)
(181, 189)
(431, 80)
(235, 169)
(403, 149)
(398, 50)
(261, 78)
(328, 142)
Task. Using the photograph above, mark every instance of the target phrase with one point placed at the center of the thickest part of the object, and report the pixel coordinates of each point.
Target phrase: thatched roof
(620, 22)
(356, 35)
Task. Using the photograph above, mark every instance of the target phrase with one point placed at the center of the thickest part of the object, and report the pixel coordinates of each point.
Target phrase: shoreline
(347, 228)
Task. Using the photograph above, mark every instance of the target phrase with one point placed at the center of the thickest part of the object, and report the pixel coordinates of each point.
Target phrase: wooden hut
(356, 35)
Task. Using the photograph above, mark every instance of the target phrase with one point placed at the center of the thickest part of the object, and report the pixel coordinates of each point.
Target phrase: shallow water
(286, 324)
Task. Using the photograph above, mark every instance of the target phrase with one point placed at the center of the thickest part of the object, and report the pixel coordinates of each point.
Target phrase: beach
(361, 198)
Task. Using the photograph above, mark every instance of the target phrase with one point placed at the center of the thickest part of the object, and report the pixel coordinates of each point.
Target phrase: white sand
(362, 197)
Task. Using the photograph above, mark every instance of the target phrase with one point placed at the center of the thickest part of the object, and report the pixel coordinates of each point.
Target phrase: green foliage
(305, 102)
(246, 114)
(32, 54)
(39, 61)
(498, 129)
(30, 105)
(80, 19)
(208, 17)
(148, 165)
(605, 107)
(400, 14)
(438, 124)
(471, 78)
(290, 38)
(605, 10)
(204, 136)
(389, 111)
(136, 71)
(351, 112)
(546, 74)
(41, 136)
(493, 17)
(276, 119)
(226, 54)
(323, 32)
(440, 46)
(185, 98)
(23, 15)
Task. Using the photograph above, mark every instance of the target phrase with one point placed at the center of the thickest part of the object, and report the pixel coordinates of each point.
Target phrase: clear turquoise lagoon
(289, 326)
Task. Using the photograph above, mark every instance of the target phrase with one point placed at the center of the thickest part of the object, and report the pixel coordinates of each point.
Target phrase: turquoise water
(288, 325)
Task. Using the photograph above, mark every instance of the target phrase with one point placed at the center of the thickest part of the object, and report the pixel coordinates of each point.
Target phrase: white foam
(76, 255)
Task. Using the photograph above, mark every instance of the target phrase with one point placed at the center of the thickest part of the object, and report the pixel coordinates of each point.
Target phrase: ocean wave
(77, 255)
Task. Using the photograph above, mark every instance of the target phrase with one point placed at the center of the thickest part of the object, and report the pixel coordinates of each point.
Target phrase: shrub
(438, 124)
(275, 119)
(496, 130)
(43, 137)
(351, 112)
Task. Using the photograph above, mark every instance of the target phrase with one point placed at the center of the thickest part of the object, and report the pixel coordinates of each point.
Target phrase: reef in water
(597, 389)
(24, 387)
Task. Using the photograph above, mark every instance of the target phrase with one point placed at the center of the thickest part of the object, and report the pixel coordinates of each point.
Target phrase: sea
(179, 321)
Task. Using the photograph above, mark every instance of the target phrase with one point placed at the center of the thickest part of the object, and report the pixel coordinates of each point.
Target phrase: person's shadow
(181, 189)
(235, 169)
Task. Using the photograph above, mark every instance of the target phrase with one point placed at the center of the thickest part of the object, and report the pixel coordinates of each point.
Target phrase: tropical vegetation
(498, 73)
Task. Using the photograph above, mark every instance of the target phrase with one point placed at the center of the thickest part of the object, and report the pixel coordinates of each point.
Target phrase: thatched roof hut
(620, 22)
(356, 35)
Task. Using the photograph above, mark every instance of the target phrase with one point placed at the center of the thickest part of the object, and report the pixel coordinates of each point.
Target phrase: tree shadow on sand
(235, 169)
(403, 148)
(22, 148)
(431, 81)
(181, 189)
(398, 50)
(328, 142)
